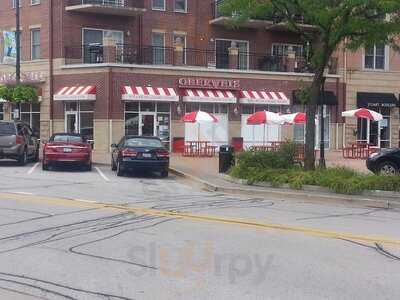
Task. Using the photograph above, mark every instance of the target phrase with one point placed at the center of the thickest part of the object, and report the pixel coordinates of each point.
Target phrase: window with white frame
(375, 57)
(30, 114)
(34, 2)
(222, 53)
(182, 37)
(158, 4)
(14, 3)
(93, 40)
(35, 43)
(283, 49)
(83, 117)
(180, 6)
(158, 43)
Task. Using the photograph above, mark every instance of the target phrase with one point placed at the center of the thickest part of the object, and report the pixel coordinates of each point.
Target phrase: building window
(283, 49)
(180, 6)
(34, 2)
(222, 53)
(375, 57)
(35, 44)
(79, 118)
(93, 41)
(14, 3)
(1, 111)
(148, 118)
(28, 113)
(182, 37)
(158, 4)
(158, 42)
(213, 108)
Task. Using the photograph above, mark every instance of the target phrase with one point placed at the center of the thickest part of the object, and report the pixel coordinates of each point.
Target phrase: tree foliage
(348, 23)
(19, 94)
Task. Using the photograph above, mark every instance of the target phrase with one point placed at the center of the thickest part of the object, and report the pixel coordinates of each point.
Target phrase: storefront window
(30, 114)
(79, 118)
(1, 112)
(213, 108)
(148, 118)
(375, 133)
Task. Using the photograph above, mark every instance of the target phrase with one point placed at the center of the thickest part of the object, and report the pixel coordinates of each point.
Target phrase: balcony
(130, 55)
(122, 8)
(265, 22)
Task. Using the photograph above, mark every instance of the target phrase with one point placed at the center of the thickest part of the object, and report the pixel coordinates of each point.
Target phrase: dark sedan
(140, 153)
(385, 162)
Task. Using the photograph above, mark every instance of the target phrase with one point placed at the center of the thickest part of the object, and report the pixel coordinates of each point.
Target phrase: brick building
(107, 68)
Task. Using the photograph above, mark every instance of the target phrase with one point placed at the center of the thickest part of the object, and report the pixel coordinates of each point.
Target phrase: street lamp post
(17, 44)
(322, 163)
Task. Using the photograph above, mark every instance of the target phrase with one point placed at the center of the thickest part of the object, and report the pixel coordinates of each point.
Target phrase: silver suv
(17, 141)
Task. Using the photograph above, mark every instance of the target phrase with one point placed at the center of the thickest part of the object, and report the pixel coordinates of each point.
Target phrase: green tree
(349, 23)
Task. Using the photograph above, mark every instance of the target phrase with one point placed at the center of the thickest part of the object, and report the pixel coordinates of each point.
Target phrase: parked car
(67, 148)
(385, 162)
(140, 153)
(17, 141)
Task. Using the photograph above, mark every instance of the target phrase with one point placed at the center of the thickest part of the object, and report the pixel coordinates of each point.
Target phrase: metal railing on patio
(110, 3)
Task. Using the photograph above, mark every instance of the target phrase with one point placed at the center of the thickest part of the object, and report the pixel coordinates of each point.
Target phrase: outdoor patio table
(199, 149)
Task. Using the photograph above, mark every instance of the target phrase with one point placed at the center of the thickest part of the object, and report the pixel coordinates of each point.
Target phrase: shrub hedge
(279, 168)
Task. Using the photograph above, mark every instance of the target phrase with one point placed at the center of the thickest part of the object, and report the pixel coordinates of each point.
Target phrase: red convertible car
(67, 148)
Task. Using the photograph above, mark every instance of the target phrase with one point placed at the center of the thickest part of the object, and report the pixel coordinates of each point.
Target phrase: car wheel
(388, 168)
(113, 165)
(120, 172)
(164, 173)
(22, 159)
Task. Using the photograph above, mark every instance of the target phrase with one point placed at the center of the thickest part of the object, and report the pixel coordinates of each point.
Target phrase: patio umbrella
(199, 117)
(265, 117)
(296, 118)
(363, 113)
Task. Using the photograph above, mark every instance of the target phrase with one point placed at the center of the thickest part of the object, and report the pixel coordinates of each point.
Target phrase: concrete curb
(377, 199)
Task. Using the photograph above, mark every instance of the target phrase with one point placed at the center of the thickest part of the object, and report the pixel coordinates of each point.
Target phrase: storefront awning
(219, 96)
(328, 98)
(140, 93)
(376, 100)
(264, 98)
(76, 93)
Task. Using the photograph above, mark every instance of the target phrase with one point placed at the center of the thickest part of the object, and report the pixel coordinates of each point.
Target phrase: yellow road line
(202, 218)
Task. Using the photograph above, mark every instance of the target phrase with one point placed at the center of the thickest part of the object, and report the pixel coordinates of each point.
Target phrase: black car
(385, 162)
(140, 153)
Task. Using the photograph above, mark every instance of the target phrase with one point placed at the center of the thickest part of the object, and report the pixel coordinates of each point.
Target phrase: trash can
(226, 158)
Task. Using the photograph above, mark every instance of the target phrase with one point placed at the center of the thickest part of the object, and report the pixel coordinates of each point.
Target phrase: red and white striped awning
(219, 96)
(137, 93)
(263, 97)
(76, 93)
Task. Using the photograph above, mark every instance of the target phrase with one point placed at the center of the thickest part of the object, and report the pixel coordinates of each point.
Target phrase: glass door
(147, 124)
(71, 122)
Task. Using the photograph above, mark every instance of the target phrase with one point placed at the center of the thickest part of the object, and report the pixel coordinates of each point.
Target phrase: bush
(273, 168)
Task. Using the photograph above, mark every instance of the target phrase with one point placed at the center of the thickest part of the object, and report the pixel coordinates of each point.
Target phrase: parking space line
(102, 174)
(31, 170)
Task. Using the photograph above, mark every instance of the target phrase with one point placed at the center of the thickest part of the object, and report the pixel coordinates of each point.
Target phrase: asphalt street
(67, 234)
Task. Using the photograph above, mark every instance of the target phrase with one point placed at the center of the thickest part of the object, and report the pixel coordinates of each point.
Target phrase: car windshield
(66, 138)
(142, 142)
(7, 128)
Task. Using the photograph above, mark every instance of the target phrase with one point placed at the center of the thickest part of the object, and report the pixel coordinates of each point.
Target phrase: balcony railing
(189, 57)
(217, 4)
(109, 3)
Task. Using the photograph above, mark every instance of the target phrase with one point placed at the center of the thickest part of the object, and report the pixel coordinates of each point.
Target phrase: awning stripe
(135, 93)
(76, 93)
(264, 97)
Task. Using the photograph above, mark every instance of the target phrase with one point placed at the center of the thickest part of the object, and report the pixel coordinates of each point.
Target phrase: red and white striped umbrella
(199, 117)
(265, 117)
(363, 113)
(296, 118)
